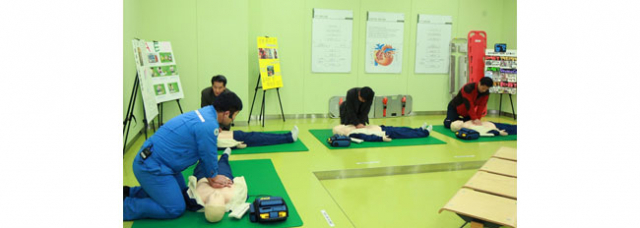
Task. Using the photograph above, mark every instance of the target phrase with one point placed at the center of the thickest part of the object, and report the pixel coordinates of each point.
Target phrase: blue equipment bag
(339, 141)
(268, 209)
(468, 134)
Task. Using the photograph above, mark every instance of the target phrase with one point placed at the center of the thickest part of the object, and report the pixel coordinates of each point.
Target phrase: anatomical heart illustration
(383, 54)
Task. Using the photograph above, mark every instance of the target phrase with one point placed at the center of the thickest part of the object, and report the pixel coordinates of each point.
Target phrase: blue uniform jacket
(184, 140)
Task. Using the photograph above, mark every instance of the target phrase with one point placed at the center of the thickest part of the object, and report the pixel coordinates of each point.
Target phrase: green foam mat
(286, 147)
(324, 134)
(261, 178)
(442, 130)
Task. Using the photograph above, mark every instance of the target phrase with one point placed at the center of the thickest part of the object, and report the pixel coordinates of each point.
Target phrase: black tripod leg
(500, 109)
(146, 123)
(161, 109)
(134, 94)
(130, 106)
(179, 106)
(159, 117)
(263, 113)
(281, 110)
(255, 93)
(512, 111)
(260, 115)
(261, 108)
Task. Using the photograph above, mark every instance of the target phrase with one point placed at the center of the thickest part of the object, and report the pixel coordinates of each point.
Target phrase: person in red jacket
(470, 103)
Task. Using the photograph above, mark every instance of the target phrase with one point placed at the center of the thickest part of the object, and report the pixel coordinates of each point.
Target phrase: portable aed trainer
(339, 141)
(468, 134)
(268, 209)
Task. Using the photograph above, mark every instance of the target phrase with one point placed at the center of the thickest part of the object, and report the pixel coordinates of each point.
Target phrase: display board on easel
(164, 71)
(141, 52)
(269, 65)
(269, 62)
(141, 83)
(156, 78)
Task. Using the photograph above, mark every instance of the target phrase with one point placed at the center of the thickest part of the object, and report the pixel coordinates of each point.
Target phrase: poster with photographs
(269, 63)
(164, 72)
(140, 52)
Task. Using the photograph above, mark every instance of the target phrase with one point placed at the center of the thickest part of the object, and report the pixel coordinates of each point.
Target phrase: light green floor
(383, 200)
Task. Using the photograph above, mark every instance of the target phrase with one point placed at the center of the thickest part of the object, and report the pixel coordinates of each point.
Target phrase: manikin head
(365, 94)
(485, 84)
(215, 208)
(227, 105)
(218, 84)
(456, 125)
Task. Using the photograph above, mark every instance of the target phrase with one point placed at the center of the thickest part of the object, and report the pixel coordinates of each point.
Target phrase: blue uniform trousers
(510, 129)
(262, 139)
(165, 198)
(159, 195)
(394, 133)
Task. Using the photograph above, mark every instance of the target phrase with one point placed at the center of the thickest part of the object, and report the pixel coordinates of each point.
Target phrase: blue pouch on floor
(468, 134)
(339, 141)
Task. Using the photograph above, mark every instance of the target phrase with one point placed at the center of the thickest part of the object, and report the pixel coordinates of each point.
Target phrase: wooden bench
(493, 184)
(489, 198)
(507, 153)
(501, 167)
(487, 207)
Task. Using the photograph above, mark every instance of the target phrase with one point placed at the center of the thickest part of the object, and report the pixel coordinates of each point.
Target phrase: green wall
(219, 37)
(305, 92)
(509, 25)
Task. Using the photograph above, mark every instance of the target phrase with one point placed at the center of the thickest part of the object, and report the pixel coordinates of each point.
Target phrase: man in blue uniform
(178, 144)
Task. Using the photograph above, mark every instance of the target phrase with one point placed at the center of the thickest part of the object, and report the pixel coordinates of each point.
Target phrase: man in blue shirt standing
(178, 144)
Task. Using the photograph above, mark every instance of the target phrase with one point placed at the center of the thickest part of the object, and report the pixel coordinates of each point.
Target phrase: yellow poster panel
(269, 63)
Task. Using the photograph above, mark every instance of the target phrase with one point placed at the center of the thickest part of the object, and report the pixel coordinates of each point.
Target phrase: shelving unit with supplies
(502, 67)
